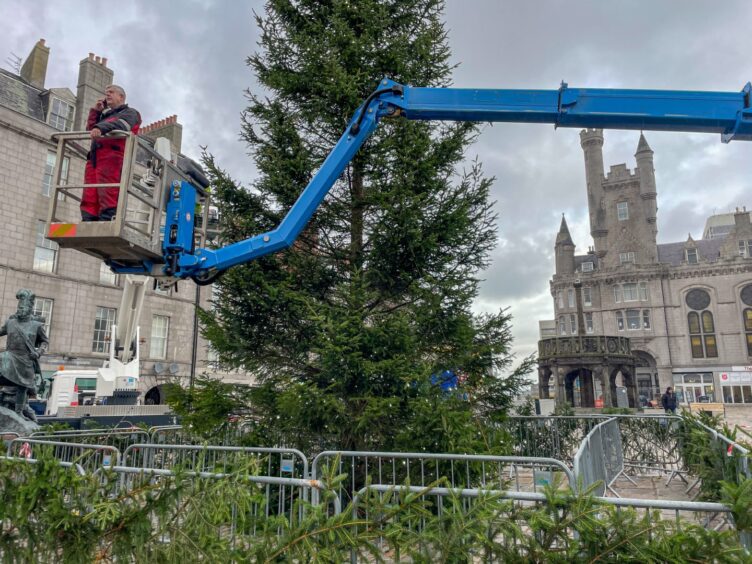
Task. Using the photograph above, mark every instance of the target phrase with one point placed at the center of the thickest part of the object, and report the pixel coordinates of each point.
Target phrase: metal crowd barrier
(421, 469)
(556, 437)
(272, 461)
(179, 435)
(707, 511)
(600, 459)
(91, 458)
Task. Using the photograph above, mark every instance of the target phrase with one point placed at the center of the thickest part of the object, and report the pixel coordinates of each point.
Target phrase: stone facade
(686, 307)
(73, 285)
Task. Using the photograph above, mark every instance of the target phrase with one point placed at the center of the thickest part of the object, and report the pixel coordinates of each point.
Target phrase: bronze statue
(19, 363)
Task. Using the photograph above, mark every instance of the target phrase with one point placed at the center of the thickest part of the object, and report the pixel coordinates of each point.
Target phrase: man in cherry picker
(105, 162)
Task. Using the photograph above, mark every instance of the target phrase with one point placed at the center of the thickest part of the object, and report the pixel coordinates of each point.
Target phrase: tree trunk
(356, 223)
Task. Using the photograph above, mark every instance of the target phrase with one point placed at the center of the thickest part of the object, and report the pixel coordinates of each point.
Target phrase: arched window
(701, 325)
(746, 296)
(702, 335)
(562, 325)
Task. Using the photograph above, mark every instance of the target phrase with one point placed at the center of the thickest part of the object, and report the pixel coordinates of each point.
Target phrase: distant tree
(345, 329)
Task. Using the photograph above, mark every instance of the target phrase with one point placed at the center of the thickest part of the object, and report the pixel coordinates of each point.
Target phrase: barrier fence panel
(551, 437)
(91, 458)
(599, 460)
(455, 470)
(710, 515)
(285, 462)
(233, 435)
(275, 495)
(120, 438)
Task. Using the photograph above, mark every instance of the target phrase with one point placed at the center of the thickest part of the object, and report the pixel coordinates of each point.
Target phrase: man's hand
(34, 355)
(96, 133)
(99, 106)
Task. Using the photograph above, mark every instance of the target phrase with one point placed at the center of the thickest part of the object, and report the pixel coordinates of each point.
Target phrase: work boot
(86, 216)
(107, 214)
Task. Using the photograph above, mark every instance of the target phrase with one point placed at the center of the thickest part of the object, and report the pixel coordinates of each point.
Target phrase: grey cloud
(188, 58)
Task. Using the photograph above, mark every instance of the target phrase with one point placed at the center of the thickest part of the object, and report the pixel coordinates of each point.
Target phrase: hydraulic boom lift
(169, 244)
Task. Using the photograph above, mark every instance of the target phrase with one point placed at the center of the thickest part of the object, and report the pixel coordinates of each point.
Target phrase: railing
(92, 458)
(600, 459)
(420, 469)
(704, 513)
(584, 451)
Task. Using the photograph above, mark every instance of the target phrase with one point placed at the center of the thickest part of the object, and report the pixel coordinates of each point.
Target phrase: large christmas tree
(349, 332)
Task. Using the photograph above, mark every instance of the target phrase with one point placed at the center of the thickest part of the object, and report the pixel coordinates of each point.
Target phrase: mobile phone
(104, 102)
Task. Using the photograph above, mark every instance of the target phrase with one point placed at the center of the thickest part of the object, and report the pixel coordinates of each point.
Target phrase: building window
(562, 325)
(212, 358)
(627, 258)
(691, 255)
(587, 296)
(617, 293)
(646, 319)
(633, 319)
(587, 267)
(620, 321)
(103, 323)
(160, 327)
(588, 322)
(49, 169)
(630, 292)
(643, 291)
(45, 252)
(106, 276)
(61, 115)
(43, 309)
(702, 334)
(573, 323)
(570, 297)
(745, 249)
(560, 299)
(622, 211)
(162, 291)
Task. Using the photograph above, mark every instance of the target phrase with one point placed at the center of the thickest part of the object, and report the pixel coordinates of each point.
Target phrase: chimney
(93, 78)
(167, 127)
(741, 218)
(34, 69)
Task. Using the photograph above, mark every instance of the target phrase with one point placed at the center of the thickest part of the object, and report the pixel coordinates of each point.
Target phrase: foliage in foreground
(51, 514)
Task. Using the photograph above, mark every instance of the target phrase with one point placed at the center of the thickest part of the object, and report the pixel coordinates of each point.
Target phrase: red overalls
(105, 162)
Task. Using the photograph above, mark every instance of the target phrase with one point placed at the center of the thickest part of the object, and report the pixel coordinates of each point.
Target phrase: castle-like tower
(622, 204)
(564, 250)
(645, 316)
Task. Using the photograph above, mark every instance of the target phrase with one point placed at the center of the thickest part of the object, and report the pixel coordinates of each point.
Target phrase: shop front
(736, 385)
(694, 387)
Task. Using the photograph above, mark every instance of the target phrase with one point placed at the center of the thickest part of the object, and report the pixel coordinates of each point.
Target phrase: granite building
(686, 307)
(76, 293)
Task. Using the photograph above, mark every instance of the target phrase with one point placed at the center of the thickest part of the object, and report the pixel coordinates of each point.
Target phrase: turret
(592, 146)
(646, 173)
(564, 250)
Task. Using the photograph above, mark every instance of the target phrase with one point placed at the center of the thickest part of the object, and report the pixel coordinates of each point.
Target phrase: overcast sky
(188, 58)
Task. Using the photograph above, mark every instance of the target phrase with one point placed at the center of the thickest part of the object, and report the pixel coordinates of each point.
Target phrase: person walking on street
(668, 401)
(105, 161)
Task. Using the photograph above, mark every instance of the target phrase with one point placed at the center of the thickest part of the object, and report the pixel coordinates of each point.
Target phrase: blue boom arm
(727, 113)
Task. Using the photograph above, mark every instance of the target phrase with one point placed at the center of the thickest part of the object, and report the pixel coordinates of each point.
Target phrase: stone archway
(154, 396)
(579, 388)
(621, 375)
(544, 382)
